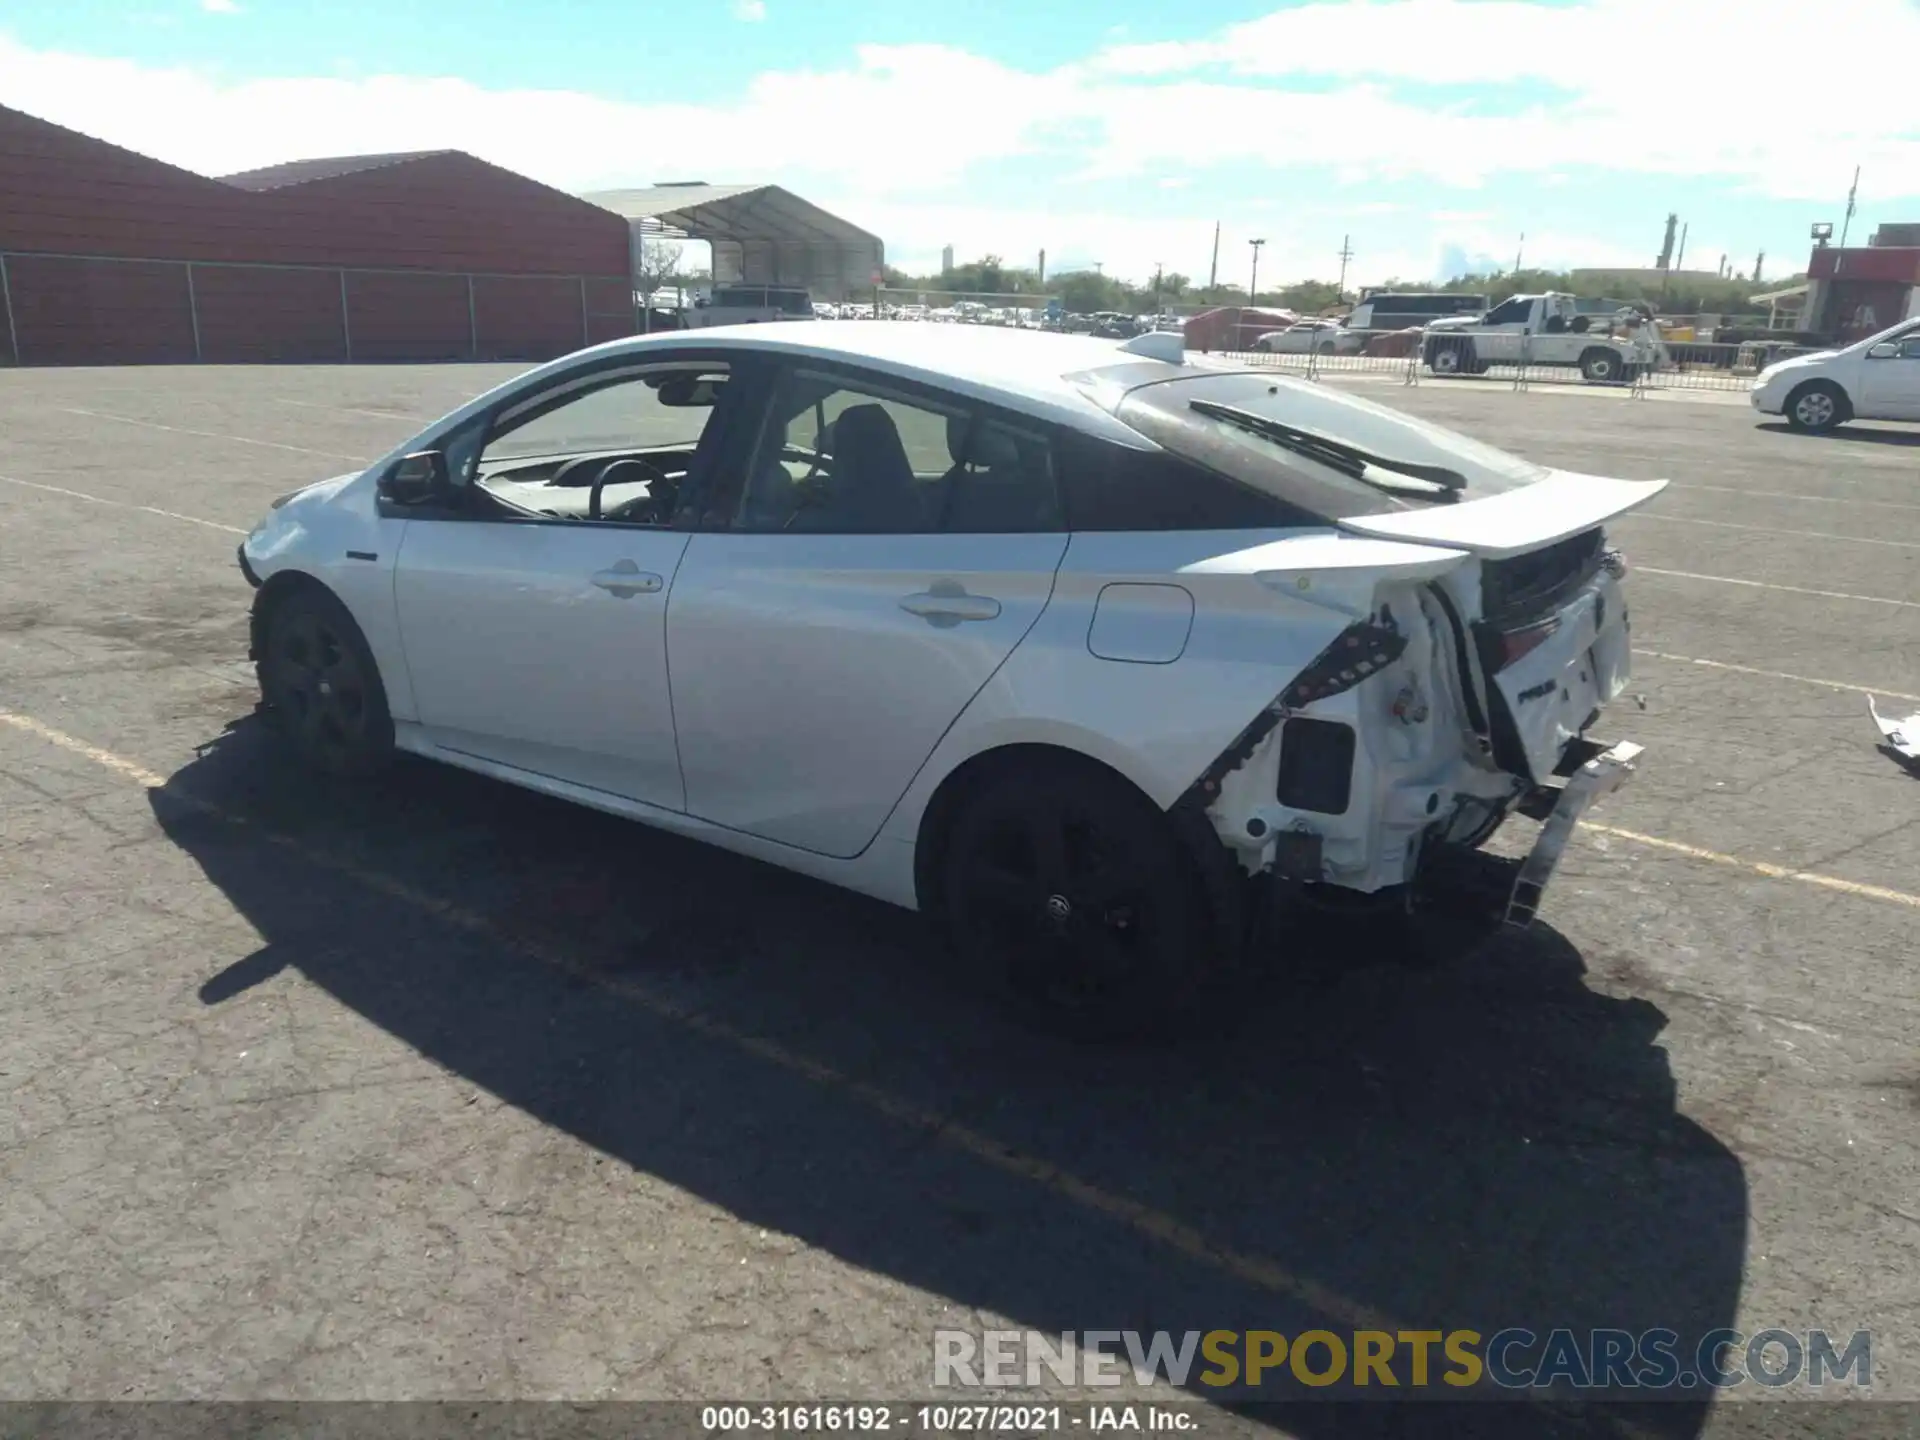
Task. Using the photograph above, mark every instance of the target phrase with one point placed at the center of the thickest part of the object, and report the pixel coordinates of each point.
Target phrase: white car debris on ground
(1102, 658)
(1901, 736)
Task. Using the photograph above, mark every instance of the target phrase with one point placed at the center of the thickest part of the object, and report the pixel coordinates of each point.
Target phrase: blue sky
(1434, 133)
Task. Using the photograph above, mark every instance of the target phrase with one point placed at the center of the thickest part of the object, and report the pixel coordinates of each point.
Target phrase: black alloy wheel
(1071, 898)
(322, 687)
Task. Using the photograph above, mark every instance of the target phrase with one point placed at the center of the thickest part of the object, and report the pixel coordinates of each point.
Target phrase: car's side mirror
(1885, 350)
(417, 479)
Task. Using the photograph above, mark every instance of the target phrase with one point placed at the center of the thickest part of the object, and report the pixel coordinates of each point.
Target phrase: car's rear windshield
(1330, 454)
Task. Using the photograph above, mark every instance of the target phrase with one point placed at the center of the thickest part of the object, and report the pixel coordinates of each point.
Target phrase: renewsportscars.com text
(1379, 1361)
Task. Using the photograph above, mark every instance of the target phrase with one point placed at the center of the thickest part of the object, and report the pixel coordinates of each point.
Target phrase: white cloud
(750, 10)
(220, 7)
(908, 139)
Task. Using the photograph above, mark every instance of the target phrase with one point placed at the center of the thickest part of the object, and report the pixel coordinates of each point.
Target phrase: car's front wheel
(1068, 895)
(1816, 406)
(321, 686)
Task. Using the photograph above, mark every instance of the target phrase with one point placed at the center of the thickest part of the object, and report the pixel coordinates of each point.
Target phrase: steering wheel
(649, 472)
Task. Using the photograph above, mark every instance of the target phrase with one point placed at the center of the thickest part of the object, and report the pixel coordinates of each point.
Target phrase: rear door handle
(624, 580)
(946, 607)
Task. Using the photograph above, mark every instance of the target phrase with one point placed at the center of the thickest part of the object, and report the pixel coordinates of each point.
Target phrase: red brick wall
(442, 216)
(7, 357)
(527, 319)
(67, 193)
(610, 311)
(99, 312)
(250, 314)
(1891, 264)
(408, 317)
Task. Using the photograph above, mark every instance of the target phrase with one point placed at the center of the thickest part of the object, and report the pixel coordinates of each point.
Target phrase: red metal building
(108, 257)
(1857, 291)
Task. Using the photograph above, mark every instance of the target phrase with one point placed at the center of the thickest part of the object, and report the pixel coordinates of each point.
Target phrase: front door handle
(945, 606)
(624, 580)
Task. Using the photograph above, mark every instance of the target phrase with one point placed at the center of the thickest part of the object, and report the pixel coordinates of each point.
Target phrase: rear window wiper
(1338, 455)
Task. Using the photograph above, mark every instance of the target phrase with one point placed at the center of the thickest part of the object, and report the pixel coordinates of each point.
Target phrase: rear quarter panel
(1159, 723)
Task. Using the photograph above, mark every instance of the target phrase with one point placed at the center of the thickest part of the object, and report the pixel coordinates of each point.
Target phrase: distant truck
(1545, 329)
(1400, 310)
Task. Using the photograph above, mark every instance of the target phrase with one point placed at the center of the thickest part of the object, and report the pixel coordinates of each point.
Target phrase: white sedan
(1877, 378)
(1099, 655)
(1318, 337)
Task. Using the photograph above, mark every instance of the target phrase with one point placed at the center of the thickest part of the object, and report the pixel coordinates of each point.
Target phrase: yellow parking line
(1760, 867)
(1776, 674)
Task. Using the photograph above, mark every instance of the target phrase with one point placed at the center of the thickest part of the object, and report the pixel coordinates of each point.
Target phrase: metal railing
(1521, 361)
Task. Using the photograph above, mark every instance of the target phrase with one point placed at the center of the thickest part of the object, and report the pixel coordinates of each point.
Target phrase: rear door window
(844, 455)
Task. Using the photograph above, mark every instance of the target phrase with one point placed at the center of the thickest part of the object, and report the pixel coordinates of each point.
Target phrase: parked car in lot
(1102, 658)
(1877, 378)
(1319, 337)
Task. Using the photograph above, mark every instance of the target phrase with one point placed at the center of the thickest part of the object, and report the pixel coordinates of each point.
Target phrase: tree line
(1086, 291)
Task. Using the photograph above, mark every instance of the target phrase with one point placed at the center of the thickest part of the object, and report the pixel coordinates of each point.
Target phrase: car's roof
(1033, 372)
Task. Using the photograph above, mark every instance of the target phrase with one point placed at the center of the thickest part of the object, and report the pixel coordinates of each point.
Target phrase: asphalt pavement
(438, 1089)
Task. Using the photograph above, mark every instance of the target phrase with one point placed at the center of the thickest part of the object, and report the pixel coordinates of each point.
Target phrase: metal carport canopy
(760, 234)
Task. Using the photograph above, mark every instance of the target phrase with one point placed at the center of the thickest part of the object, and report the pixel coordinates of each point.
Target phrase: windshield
(1398, 456)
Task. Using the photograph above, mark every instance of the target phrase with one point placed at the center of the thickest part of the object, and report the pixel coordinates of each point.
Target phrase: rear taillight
(1516, 643)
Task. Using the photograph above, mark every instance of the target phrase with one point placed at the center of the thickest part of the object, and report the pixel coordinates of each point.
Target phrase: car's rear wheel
(1068, 895)
(1816, 406)
(1326, 347)
(321, 686)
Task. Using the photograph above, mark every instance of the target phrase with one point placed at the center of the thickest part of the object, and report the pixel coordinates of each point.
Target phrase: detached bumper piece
(1601, 775)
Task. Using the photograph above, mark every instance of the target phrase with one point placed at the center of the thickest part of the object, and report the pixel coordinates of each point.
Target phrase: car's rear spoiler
(1562, 504)
(1335, 571)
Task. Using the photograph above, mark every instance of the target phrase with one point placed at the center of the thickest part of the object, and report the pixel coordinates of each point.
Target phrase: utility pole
(1157, 269)
(1519, 252)
(1758, 261)
(1042, 277)
(1680, 261)
(1852, 195)
(1213, 274)
(1253, 283)
(1346, 254)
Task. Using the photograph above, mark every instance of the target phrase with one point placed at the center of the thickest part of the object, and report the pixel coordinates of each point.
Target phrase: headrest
(981, 444)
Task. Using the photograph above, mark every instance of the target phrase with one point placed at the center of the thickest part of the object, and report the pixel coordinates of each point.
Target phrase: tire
(1600, 367)
(1326, 347)
(321, 686)
(1070, 898)
(1816, 407)
(1260, 347)
(1451, 358)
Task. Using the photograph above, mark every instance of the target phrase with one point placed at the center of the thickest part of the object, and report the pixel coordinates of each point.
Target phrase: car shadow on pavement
(1853, 433)
(1482, 1143)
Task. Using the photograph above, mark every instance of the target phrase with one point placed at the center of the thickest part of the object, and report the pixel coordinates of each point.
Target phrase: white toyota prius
(1099, 654)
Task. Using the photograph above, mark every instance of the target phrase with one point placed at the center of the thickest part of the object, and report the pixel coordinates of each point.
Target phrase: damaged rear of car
(1485, 631)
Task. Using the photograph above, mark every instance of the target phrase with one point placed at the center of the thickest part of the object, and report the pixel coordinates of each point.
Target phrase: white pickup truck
(1543, 330)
